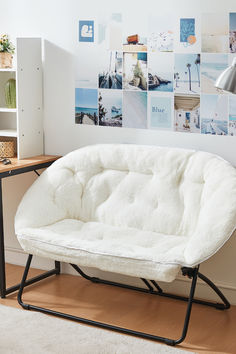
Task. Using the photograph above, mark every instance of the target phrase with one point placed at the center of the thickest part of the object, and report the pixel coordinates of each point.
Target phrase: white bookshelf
(24, 124)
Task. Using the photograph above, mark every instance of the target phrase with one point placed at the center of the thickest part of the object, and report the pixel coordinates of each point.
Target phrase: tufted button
(155, 204)
(131, 198)
(99, 237)
(72, 171)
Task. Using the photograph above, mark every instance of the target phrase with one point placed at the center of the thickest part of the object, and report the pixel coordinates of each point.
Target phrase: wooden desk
(15, 168)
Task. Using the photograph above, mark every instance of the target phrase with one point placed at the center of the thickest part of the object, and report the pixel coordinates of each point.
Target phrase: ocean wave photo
(211, 67)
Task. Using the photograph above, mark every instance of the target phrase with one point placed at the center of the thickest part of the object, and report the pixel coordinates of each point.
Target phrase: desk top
(31, 161)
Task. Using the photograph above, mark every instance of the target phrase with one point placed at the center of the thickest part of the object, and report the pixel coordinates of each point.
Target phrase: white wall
(56, 22)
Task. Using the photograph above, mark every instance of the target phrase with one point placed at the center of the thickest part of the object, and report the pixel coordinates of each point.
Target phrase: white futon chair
(142, 211)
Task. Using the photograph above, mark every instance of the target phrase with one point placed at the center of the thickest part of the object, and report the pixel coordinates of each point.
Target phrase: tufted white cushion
(138, 210)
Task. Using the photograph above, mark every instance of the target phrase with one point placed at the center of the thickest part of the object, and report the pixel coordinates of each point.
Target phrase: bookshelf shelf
(8, 70)
(8, 110)
(8, 133)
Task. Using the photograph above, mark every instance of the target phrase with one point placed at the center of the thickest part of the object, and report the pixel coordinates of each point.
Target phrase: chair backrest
(165, 190)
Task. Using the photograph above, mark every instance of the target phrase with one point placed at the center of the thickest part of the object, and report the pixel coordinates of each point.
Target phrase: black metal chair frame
(152, 288)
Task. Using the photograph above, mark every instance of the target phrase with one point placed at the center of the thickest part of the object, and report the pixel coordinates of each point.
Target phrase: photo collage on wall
(150, 73)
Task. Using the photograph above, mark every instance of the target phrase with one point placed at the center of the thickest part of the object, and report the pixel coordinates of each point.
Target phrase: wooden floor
(210, 330)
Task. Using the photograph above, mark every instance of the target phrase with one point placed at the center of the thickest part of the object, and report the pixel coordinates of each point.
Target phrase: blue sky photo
(232, 21)
(86, 98)
(232, 107)
(208, 106)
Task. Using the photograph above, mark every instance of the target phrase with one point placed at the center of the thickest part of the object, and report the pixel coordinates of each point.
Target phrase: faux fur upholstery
(137, 210)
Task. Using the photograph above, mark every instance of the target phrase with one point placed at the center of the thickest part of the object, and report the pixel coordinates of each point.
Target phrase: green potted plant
(10, 93)
(6, 51)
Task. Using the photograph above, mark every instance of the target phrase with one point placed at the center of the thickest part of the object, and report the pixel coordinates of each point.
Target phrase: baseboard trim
(218, 284)
(179, 286)
(17, 256)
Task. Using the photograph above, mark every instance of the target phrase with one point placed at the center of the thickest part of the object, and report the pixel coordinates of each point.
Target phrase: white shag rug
(27, 332)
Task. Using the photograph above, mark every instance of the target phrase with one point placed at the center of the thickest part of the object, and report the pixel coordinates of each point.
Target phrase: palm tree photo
(176, 77)
(197, 63)
(187, 73)
(189, 76)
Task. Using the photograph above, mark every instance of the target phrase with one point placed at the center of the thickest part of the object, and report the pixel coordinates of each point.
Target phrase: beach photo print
(135, 71)
(110, 108)
(232, 115)
(232, 32)
(160, 72)
(86, 106)
(214, 114)
(187, 73)
(187, 113)
(212, 66)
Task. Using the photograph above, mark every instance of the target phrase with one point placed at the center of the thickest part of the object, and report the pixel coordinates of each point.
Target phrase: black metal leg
(58, 267)
(189, 307)
(36, 172)
(226, 304)
(22, 285)
(147, 284)
(2, 249)
(25, 282)
(93, 279)
(157, 286)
